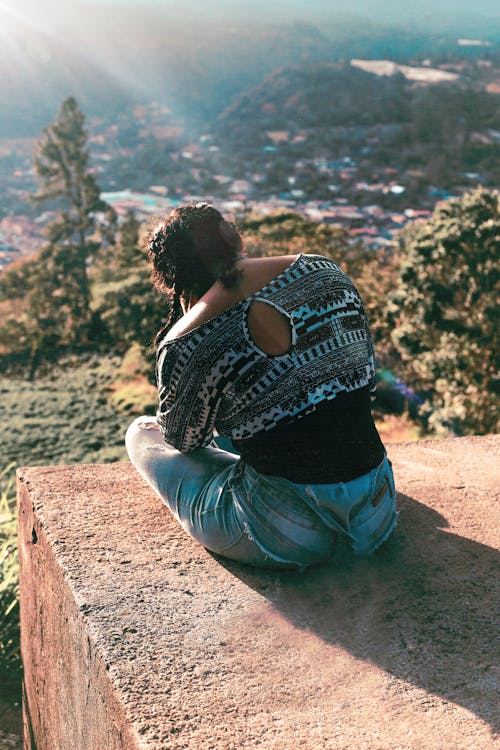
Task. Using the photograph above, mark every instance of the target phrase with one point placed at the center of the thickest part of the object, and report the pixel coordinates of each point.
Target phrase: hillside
(306, 96)
(334, 109)
(182, 65)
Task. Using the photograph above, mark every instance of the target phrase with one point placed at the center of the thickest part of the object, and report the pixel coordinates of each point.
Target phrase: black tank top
(335, 443)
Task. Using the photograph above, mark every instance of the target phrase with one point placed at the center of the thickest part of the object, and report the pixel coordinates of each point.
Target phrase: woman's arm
(188, 402)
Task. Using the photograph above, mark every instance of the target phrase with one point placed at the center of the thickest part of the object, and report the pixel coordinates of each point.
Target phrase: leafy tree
(46, 299)
(129, 308)
(60, 296)
(445, 316)
(13, 280)
(284, 232)
(123, 299)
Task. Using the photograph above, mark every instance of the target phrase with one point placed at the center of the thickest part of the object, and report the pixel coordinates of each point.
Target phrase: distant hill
(379, 118)
(314, 96)
(194, 69)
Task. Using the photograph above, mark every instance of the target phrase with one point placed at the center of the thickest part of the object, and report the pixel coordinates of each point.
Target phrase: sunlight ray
(28, 41)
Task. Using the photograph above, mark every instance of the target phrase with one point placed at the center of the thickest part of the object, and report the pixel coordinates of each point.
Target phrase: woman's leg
(256, 519)
(166, 469)
(196, 487)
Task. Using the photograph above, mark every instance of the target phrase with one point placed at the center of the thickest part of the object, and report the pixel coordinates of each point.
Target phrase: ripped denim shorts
(267, 521)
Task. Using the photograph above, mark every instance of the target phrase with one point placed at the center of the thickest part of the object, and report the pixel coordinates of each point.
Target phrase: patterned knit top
(216, 377)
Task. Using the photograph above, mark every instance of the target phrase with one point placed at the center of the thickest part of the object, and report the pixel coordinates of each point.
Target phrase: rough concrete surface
(135, 637)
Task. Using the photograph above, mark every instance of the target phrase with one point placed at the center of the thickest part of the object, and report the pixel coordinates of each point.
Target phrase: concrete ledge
(133, 637)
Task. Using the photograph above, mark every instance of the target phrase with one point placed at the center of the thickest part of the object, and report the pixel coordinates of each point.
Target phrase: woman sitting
(273, 355)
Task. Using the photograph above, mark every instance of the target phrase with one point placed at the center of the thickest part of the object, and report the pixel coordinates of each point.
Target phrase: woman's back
(215, 375)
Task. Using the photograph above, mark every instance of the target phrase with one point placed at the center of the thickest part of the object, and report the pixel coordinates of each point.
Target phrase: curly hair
(189, 251)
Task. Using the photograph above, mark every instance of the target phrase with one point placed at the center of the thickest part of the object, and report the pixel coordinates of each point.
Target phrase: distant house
(167, 132)
(222, 179)
(240, 186)
(413, 213)
(481, 138)
(278, 136)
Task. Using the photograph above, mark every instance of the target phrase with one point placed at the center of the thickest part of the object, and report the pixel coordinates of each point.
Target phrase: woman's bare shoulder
(256, 273)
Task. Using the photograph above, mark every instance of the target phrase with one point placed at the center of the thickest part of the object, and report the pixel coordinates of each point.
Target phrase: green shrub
(444, 314)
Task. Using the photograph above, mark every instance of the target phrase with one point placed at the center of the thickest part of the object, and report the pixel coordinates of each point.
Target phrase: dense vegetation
(444, 313)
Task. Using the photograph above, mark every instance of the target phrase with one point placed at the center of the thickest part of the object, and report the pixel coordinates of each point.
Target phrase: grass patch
(135, 398)
(10, 659)
(63, 417)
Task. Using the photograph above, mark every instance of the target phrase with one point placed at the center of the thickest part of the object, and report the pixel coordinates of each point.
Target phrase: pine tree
(129, 251)
(60, 298)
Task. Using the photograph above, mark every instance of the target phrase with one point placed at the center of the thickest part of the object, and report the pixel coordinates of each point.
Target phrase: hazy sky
(381, 9)
(82, 21)
(369, 7)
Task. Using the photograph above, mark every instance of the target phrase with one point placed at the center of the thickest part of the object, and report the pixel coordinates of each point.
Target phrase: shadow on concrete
(420, 608)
